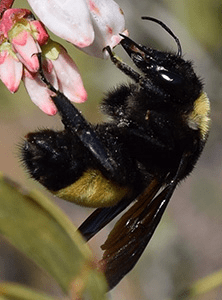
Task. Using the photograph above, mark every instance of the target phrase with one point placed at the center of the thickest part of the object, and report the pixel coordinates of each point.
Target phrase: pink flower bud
(39, 93)
(66, 72)
(10, 71)
(26, 49)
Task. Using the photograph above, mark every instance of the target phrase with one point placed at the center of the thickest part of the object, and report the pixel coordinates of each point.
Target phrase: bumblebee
(158, 127)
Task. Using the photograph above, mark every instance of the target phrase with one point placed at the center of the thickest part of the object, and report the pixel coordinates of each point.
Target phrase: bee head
(165, 74)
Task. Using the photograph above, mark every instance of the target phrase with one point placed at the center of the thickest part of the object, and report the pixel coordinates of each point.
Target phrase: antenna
(179, 52)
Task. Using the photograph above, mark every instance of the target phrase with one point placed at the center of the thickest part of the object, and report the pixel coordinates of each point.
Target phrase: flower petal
(10, 71)
(69, 79)
(39, 32)
(11, 17)
(108, 22)
(26, 48)
(39, 93)
(50, 73)
(68, 19)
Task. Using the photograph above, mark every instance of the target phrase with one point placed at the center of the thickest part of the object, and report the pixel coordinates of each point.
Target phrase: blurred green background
(188, 243)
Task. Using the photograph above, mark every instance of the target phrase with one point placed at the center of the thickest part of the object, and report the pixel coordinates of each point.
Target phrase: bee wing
(131, 234)
(101, 217)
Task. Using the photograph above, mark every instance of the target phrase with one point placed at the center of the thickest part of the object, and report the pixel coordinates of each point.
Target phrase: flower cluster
(88, 24)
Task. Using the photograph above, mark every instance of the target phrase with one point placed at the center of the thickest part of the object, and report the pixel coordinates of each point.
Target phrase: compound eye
(170, 77)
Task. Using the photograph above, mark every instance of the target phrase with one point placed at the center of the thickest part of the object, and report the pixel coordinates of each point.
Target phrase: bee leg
(47, 159)
(122, 66)
(78, 126)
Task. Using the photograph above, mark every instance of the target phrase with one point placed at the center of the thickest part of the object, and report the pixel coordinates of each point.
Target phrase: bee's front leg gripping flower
(65, 72)
(61, 72)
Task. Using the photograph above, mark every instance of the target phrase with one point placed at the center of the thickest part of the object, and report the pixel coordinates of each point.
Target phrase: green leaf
(202, 286)
(12, 291)
(38, 228)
